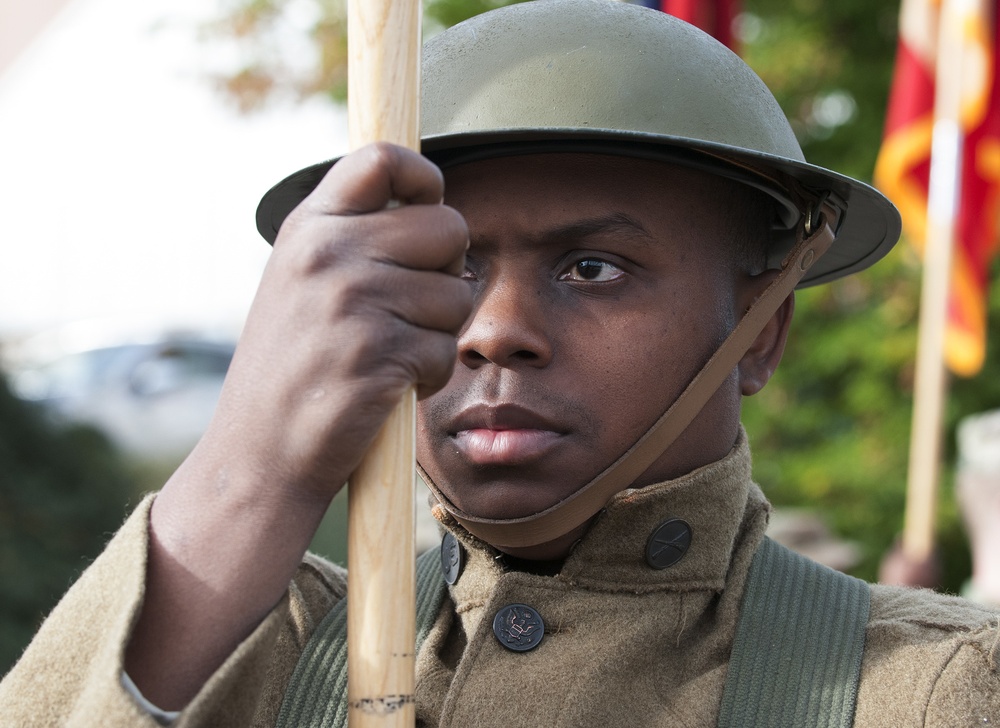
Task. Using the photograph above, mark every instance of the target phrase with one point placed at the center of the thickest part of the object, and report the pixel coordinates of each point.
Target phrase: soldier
(626, 211)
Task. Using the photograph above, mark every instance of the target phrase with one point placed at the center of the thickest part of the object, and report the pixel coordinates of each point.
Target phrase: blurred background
(136, 141)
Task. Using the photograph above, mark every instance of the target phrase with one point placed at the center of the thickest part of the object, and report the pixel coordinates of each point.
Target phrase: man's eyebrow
(615, 223)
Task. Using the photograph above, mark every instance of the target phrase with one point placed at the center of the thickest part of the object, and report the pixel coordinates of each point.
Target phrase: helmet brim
(868, 228)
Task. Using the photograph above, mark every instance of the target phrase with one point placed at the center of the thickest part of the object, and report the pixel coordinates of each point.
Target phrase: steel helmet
(586, 75)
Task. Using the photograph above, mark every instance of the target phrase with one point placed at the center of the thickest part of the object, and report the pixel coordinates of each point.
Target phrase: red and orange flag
(903, 167)
(715, 17)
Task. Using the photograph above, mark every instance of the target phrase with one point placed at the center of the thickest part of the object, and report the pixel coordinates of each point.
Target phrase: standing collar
(719, 505)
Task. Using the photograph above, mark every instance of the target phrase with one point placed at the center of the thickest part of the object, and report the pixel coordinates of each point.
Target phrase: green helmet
(610, 77)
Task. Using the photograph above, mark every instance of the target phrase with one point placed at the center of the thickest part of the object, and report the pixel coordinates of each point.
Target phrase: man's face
(602, 284)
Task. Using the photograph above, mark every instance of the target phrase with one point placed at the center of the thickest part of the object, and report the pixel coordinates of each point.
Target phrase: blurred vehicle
(152, 396)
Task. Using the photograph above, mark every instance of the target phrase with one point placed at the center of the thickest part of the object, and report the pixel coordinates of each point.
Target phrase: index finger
(370, 178)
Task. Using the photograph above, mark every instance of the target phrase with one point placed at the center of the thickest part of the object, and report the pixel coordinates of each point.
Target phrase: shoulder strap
(316, 696)
(796, 657)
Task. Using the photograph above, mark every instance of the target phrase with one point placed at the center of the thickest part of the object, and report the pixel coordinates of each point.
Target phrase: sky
(127, 185)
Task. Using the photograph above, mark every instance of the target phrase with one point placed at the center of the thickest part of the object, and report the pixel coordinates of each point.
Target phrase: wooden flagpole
(931, 379)
(383, 101)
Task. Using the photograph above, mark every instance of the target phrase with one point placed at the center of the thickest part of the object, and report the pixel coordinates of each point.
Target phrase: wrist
(228, 521)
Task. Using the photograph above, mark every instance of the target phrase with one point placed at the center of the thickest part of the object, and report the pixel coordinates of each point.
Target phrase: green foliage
(831, 431)
(62, 492)
(810, 52)
(451, 12)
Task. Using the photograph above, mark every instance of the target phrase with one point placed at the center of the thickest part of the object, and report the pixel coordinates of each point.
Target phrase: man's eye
(592, 270)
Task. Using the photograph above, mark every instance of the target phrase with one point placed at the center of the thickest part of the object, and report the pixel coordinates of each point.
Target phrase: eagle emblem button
(518, 627)
(451, 558)
(668, 543)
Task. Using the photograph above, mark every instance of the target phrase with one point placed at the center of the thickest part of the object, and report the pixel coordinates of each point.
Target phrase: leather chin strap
(813, 239)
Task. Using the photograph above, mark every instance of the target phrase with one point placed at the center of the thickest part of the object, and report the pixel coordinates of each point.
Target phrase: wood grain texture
(931, 379)
(383, 105)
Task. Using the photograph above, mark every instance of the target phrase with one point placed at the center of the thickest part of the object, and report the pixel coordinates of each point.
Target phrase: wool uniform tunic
(624, 644)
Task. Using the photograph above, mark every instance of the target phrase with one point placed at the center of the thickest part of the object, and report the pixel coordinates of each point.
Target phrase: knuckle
(318, 257)
(374, 350)
(307, 254)
(320, 243)
(357, 297)
(436, 174)
(439, 360)
(291, 224)
(454, 224)
(418, 357)
(460, 304)
(383, 155)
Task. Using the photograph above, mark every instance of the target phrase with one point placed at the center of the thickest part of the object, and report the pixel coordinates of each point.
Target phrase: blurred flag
(713, 16)
(903, 166)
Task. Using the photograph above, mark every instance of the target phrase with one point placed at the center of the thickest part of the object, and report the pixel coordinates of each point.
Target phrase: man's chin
(503, 498)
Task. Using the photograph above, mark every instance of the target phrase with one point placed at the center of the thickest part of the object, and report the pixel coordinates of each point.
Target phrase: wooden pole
(383, 104)
(930, 385)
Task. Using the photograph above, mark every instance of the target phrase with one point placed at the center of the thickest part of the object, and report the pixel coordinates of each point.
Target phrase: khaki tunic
(625, 645)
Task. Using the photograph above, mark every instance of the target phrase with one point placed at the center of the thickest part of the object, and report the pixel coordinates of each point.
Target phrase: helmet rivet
(807, 259)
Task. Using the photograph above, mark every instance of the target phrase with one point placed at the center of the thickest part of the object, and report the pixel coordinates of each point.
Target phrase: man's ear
(762, 358)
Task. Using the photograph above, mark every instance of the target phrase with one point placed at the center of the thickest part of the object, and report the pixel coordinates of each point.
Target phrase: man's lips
(503, 434)
(504, 447)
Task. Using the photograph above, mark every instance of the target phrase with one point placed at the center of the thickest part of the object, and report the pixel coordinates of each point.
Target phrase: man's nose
(507, 328)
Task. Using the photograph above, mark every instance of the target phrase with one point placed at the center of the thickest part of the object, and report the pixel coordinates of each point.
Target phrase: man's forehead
(573, 229)
(578, 195)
